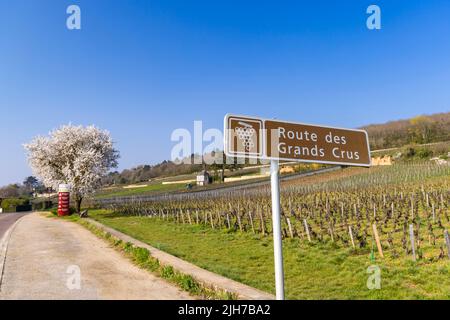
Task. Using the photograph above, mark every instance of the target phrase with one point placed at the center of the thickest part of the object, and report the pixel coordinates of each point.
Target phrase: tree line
(167, 168)
(16, 194)
(29, 186)
(418, 130)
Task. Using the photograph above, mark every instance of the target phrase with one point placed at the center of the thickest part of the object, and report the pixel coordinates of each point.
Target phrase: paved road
(46, 255)
(8, 219)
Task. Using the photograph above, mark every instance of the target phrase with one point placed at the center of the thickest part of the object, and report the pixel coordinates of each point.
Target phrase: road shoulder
(4, 241)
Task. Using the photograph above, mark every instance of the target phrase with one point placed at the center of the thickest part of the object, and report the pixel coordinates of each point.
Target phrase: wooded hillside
(421, 129)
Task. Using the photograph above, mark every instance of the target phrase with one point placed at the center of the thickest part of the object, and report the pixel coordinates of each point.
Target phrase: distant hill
(421, 129)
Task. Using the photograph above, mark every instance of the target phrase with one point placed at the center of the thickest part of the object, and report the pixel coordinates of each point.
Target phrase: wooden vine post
(182, 216)
(307, 230)
(412, 240)
(291, 234)
(189, 216)
(377, 239)
(251, 221)
(212, 221)
(351, 236)
(263, 229)
(447, 241)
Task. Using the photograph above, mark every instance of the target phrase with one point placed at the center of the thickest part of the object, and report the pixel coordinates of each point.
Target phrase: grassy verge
(142, 258)
(312, 271)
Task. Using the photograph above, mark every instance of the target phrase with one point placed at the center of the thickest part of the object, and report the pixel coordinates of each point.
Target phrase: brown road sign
(295, 141)
(281, 140)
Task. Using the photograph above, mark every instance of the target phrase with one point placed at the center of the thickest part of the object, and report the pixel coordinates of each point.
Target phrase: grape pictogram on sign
(246, 134)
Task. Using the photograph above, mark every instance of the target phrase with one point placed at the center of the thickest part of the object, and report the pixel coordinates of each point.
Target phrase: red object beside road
(64, 200)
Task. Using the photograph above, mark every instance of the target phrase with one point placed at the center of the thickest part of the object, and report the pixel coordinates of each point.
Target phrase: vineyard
(352, 209)
(383, 213)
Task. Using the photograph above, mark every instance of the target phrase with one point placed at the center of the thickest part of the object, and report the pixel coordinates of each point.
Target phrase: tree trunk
(78, 200)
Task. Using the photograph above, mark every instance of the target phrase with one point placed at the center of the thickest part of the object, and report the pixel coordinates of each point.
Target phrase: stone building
(382, 161)
(203, 178)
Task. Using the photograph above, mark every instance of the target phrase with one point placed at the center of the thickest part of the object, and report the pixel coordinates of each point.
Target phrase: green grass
(312, 271)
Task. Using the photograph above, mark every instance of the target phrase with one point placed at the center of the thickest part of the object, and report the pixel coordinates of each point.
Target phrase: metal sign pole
(276, 222)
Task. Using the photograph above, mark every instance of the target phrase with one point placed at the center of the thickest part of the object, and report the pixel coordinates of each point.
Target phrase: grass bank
(312, 271)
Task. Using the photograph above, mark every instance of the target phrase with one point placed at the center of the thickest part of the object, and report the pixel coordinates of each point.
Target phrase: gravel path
(44, 256)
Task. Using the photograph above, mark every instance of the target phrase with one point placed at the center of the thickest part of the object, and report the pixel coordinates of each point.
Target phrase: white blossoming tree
(75, 155)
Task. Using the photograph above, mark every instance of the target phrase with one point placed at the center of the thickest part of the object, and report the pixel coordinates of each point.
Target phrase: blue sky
(144, 68)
